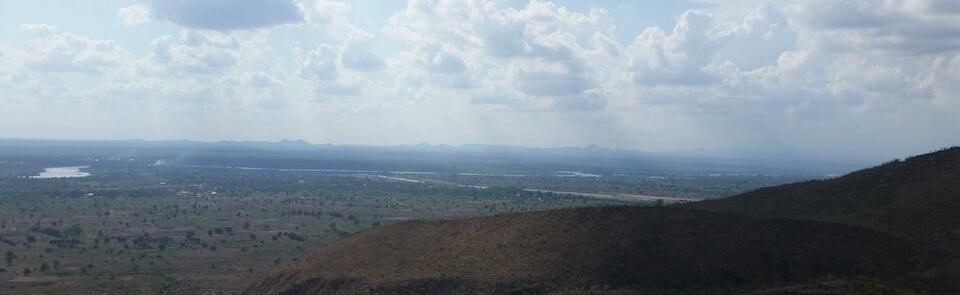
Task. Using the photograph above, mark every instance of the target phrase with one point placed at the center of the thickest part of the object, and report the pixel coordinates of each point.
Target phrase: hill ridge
(568, 249)
(871, 231)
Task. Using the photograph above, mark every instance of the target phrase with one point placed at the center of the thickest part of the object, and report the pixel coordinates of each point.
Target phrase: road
(621, 197)
(618, 197)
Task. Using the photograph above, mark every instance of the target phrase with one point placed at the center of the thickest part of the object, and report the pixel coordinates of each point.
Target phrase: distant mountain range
(891, 229)
(444, 158)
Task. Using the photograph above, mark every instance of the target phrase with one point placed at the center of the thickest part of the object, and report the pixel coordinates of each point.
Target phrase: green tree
(73, 231)
(11, 257)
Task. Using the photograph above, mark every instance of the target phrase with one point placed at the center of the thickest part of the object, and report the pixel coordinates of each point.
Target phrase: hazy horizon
(842, 160)
(838, 77)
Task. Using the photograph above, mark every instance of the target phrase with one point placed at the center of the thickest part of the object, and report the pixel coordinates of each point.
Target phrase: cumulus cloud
(133, 15)
(227, 15)
(743, 72)
(196, 52)
(320, 64)
(901, 27)
(359, 58)
(536, 53)
(678, 58)
(445, 63)
(324, 11)
(54, 51)
(325, 68)
(260, 80)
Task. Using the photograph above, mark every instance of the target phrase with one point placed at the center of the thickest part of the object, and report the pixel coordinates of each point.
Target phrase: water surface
(63, 172)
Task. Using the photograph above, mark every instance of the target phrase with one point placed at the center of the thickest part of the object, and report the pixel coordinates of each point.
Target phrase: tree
(73, 231)
(11, 257)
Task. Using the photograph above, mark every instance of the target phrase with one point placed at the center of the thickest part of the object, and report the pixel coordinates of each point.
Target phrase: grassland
(195, 230)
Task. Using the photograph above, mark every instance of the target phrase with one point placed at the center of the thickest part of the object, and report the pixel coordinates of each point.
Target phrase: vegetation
(916, 199)
(139, 228)
(614, 248)
(891, 229)
(183, 217)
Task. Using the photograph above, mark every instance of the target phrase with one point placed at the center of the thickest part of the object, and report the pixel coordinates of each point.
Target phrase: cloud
(357, 57)
(900, 27)
(228, 15)
(541, 54)
(260, 80)
(320, 64)
(160, 49)
(552, 84)
(829, 71)
(196, 52)
(39, 28)
(54, 51)
(133, 15)
(324, 67)
(445, 63)
(590, 100)
(324, 11)
(678, 58)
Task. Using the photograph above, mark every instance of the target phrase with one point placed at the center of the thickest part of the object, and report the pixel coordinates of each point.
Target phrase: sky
(840, 77)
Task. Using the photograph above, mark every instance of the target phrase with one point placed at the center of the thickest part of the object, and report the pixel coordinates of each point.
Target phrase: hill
(917, 199)
(912, 198)
(622, 248)
(872, 231)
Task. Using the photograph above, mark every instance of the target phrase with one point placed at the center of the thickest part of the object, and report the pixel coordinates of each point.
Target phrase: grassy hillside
(891, 229)
(912, 198)
(917, 199)
(625, 248)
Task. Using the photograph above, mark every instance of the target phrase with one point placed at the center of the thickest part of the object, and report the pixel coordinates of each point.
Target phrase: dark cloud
(891, 28)
(944, 6)
(227, 15)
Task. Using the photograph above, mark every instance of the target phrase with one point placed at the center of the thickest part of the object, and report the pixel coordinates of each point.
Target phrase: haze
(842, 77)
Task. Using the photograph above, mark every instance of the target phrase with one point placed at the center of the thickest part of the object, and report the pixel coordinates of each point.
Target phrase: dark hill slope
(912, 198)
(624, 247)
(917, 199)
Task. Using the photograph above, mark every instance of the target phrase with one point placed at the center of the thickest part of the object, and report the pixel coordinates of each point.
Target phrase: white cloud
(445, 63)
(198, 53)
(541, 54)
(54, 51)
(323, 11)
(356, 56)
(133, 15)
(39, 28)
(228, 15)
(325, 68)
(260, 80)
(731, 74)
(320, 64)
